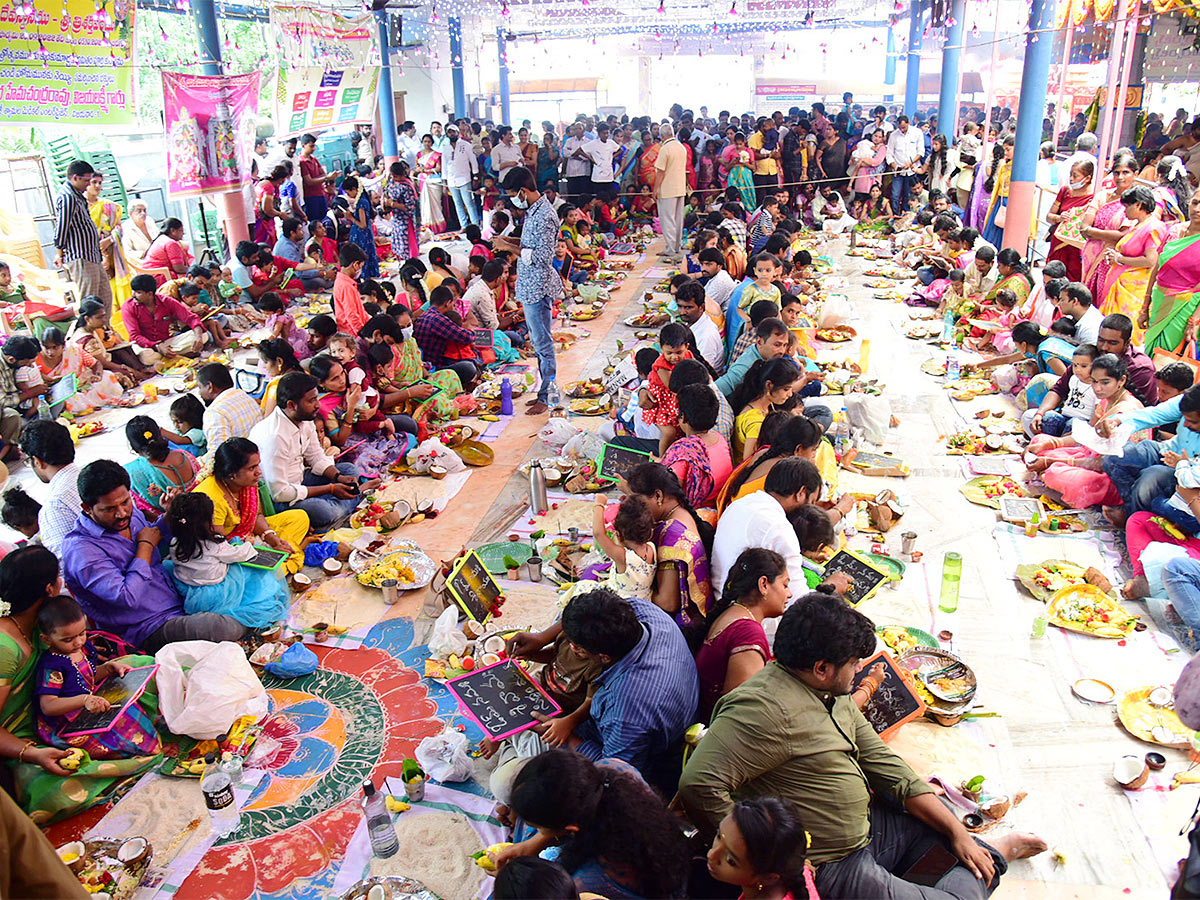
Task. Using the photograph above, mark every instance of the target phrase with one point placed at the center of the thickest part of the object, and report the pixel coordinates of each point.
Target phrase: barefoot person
(538, 283)
(791, 731)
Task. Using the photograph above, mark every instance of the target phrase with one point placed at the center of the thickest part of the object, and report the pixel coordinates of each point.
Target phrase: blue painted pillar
(1039, 45)
(951, 57)
(390, 145)
(889, 66)
(502, 55)
(456, 67)
(912, 82)
(209, 36)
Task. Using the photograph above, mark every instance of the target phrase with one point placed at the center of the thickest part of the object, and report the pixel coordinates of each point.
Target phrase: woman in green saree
(45, 790)
(1014, 276)
(424, 402)
(1169, 312)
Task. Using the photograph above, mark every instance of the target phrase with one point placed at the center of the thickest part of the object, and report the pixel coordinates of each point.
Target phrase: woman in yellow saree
(1134, 258)
(107, 216)
(1169, 310)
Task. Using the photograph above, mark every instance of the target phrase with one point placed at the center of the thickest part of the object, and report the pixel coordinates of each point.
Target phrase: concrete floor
(1042, 741)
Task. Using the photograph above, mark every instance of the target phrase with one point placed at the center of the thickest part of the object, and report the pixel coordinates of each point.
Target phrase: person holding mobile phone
(299, 473)
(792, 731)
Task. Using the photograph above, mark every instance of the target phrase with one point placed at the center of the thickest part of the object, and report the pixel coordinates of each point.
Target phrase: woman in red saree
(1107, 224)
(1072, 199)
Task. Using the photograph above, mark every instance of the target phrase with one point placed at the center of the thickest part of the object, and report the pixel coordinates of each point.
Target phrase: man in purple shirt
(148, 319)
(113, 567)
(1116, 335)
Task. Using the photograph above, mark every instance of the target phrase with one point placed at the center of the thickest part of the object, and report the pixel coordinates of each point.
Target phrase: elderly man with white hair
(671, 167)
(139, 232)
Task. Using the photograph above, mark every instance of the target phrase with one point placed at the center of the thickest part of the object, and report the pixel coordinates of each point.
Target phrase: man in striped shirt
(77, 239)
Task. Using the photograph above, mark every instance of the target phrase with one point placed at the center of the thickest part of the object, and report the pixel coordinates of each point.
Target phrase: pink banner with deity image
(210, 128)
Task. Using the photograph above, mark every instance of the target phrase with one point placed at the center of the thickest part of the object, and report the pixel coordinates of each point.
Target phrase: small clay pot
(321, 636)
(973, 822)
(514, 574)
(1156, 761)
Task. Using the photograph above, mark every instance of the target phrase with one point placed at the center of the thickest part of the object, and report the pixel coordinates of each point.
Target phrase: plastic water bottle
(233, 764)
(948, 327)
(380, 829)
(953, 367)
(537, 488)
(553, 397)
(217, 787)
(506, 404)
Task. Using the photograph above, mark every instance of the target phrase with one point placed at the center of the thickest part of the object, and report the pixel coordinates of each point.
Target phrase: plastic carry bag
(296, 660)
(433, 452)
(835, 311)
(447, 637)
(203, 687)
(444, 756)
(557, 432)
(871, 414)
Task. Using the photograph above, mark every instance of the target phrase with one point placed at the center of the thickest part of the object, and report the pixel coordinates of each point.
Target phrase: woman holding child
(683, 583)
(28, 577)
(237, 491)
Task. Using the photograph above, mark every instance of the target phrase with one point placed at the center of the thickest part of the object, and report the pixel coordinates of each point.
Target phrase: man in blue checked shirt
(538, 282)
(643, 700)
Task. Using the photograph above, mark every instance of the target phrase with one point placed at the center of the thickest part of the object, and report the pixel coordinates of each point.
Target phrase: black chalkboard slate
(895, 702)
(121, 693)
(484, 337)
(866, 577)
(502, 699)
(473, 587)
(616, 461)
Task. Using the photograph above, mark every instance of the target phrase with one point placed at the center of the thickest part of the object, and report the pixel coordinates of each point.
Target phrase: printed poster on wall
(72, 66)
(210, 128)
(312, 98)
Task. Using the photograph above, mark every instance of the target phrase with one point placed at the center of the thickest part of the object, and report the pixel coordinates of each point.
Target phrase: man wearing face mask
(538, 283)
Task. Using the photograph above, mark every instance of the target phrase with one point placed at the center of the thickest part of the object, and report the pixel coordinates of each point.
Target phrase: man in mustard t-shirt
(765, 144)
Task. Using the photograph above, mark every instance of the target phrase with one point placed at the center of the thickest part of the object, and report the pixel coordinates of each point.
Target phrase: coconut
(380, 892)
(133, 852)
(553, 477)
(494, 644)
(995, 807)
(1160, 697)
(489, 659)
(73, 855)
(472, 629)
(437, 472)
(332, 566)
(1131, 772)
(425, 506)
(262, 655)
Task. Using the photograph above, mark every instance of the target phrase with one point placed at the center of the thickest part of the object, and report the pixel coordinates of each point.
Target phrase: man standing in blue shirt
(538, 282)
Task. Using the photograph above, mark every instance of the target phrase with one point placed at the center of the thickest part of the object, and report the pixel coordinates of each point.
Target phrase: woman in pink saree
(1169, 308)
(1133, 259)
(1106, 225)
(1073, 470)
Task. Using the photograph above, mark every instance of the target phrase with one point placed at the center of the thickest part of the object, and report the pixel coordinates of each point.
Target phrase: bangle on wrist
(146, 542)
(21, 755)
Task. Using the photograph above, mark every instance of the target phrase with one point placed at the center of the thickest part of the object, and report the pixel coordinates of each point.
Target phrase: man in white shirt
(601, 152)
(506, 154)
(441, 143)
(552, 195)
(760, 519)
(671, 168)
(577, 165)
(720, 285)
(1075, 300)
(690, 300)
(51, 453)
(905, 150)
(409, 145)
(230, 412)
(980, 276)
(298, 472)
(461, 168)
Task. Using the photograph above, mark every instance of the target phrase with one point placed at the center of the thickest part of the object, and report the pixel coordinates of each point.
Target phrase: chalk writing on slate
(895, 702)
(865, 576)
(502, 699)
(616, 461)
(473, 588)
(121, 693)
(874, 460)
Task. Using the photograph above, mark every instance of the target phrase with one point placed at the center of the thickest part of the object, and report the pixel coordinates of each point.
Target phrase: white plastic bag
(203, 687)
(585, 445)
(434, 453)
(444, 756)
(557, 432)
(870, 413)
(447, 637)
(835, 310)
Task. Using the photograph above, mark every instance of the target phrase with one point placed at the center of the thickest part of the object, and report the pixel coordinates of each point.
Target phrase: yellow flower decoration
(148, 434)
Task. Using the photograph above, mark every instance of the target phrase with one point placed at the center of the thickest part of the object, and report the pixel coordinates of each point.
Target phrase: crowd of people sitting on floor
(714, 607)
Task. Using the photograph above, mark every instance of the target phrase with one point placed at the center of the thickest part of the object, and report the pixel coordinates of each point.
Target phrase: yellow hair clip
(148, 435)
